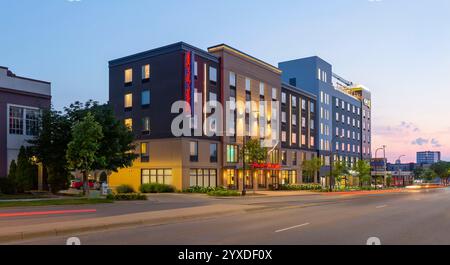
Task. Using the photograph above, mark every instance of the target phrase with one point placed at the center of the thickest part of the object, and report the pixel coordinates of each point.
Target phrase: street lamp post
(400, 168)
(384, 162)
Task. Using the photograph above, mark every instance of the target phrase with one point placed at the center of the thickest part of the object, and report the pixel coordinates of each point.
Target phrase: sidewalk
(70, 228)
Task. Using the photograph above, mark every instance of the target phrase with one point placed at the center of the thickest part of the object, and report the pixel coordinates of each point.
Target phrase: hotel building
(344, 111)
(21, 102)
(299, 111)
(298, 133)
(142, 89)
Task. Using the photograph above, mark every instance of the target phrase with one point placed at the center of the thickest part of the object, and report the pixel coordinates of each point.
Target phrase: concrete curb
(104, 223)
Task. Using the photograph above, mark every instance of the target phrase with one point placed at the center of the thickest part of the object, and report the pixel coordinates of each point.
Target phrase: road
(409, 218)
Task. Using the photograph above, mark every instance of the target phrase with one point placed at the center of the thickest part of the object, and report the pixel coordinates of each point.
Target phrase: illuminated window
(128, 76)
(146, 72)
(128, 100)
(283, 137)
(161, 176)
(294, 138)
(303, 139)
(144, 152)
(129, 124)
(232, 153)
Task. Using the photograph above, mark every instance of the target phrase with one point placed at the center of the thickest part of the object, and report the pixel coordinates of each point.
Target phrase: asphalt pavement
(406, 218)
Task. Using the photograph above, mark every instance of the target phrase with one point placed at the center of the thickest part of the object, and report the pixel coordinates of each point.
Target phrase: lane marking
(381, 206)
(21, 214)
(292, 227)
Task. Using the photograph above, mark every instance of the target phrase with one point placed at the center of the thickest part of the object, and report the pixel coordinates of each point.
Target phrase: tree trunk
(85, 184)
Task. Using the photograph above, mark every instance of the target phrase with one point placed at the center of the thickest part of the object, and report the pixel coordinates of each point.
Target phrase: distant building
(428, 157)
(21, 102)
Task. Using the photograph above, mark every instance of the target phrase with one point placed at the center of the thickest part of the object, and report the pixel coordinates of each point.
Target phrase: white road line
(292, 227)
(381, 206)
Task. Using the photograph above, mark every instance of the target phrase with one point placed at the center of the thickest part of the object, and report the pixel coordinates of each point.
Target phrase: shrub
(313, 187)
(127, 197)
(124, 189)
(7, 186)
(224, 193)
(156, 188)
(204, 190)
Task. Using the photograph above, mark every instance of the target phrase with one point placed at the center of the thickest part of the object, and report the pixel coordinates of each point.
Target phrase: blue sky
(400, 49)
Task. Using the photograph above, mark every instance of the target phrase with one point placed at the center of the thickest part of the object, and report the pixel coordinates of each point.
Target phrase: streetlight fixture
(384, 162)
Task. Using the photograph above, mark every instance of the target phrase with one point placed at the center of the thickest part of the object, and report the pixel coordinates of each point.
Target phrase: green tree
(339, 171)
(418, 172)
(50, 148)
(389, 180)
(441, 169)
(362, 172)
(428, 175)
(82, 151)
(116, 147)
(311, 167)
(26, 172)
(253, 152)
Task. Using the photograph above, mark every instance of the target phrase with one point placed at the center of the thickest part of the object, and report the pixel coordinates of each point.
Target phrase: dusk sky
(400, 49)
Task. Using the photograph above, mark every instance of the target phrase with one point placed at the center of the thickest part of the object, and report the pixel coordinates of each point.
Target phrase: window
(294, 158)
(319, 72)
(203, 178)
(283, 97)
(247, 84)
(261, 89)
(233, 79)
(213, 99)
(283, 117)
(303, 139)
(212, 75)
(294, 119)
(312, 141)
(303, 104)
(16, 120)
(294, 138)
(311, 125)
(283, 158)
(144, 153)
(193, 151)
(145, 100)
(128, 101)
(129, 124)
(294, 102)
(337, 116)
(146, 72)
(274, 93)
(146, 125)
(283, 136)
(128, 76)
(32, 118)
(161, 176)
(213, 153)
(312, 107)
(195, 69)
(303, 122)
(232, 153)
(293, 81)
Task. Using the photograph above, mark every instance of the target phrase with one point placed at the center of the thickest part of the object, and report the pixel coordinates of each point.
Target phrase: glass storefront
(288, 177)
(203, 178)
